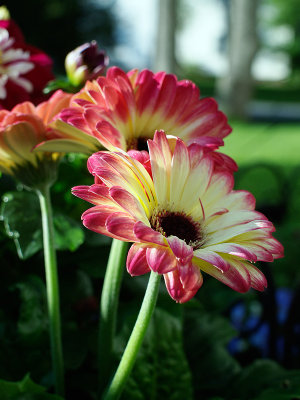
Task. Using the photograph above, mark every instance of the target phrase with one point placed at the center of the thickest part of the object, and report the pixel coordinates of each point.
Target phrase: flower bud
(86, 62)
(4, 13)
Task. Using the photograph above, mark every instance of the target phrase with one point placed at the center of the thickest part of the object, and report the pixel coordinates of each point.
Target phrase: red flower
(24, 69)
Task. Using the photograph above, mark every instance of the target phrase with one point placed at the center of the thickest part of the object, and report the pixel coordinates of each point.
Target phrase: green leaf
(69, 234)
(25, 389)
(21, 214)
(22, 220)
(270, 379)
(205, 337)
(60, 83)
(33, 321)
(161, 370)
(289, 393)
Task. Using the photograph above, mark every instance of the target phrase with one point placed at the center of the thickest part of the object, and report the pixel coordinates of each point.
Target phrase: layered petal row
(123, 110)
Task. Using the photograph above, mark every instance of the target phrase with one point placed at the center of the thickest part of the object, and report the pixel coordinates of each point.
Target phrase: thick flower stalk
(21, 130)
(184, 218)
(124, 110)
(24, 69)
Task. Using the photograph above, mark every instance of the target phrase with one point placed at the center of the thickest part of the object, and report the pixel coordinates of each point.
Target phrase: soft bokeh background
(246, 53)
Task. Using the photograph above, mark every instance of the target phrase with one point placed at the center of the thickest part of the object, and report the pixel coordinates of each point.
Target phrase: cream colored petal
(70, 132)
(159, 173)
(195, 187)
(20, 139)
(229, 233)
(115, 172)
(180, 170)
(232, 218)
(220, 185)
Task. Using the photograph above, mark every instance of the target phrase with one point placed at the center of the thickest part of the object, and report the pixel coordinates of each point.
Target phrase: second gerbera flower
(21, 130)
(184, 219)
(124, 110)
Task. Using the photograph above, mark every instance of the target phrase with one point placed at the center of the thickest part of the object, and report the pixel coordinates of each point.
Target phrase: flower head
(86, 62)
(23, 128)
(183, 218)
(124, 110)
(24, 69)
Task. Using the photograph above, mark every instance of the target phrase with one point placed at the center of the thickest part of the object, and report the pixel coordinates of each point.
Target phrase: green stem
(52, 288)
(108, 310)
(135, 341)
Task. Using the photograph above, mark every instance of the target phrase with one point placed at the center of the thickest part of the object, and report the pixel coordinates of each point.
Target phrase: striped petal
(231, 232)
(190, 276)
(231, 219)
(212, 258)
(109, 136)
(95, 194)
(258, 280)
(95, 220)
(128, 202)
(136, 262)
(176, 289)
(220, 185)
(237, 277)
(121, 225)
(235, 250)
(160, 259)
(196, 184)
(179, 172)
(180, 249)
(146, 234)
(160, 167)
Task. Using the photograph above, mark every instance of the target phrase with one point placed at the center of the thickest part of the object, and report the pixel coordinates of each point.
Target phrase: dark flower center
(139, 143)
(178, 224)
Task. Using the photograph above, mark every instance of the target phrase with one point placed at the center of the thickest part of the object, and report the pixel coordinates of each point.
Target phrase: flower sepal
(36, 177)
(60, 83)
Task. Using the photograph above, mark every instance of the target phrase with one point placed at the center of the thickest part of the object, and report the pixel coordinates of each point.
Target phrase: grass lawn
(251, 143)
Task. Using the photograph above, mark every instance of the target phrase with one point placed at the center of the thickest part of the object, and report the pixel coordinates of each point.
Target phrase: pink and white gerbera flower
(124, 110)
(184, 218)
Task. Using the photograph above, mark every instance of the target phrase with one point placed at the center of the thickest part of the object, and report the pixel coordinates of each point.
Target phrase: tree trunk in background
(165, 41)
(235, 89)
